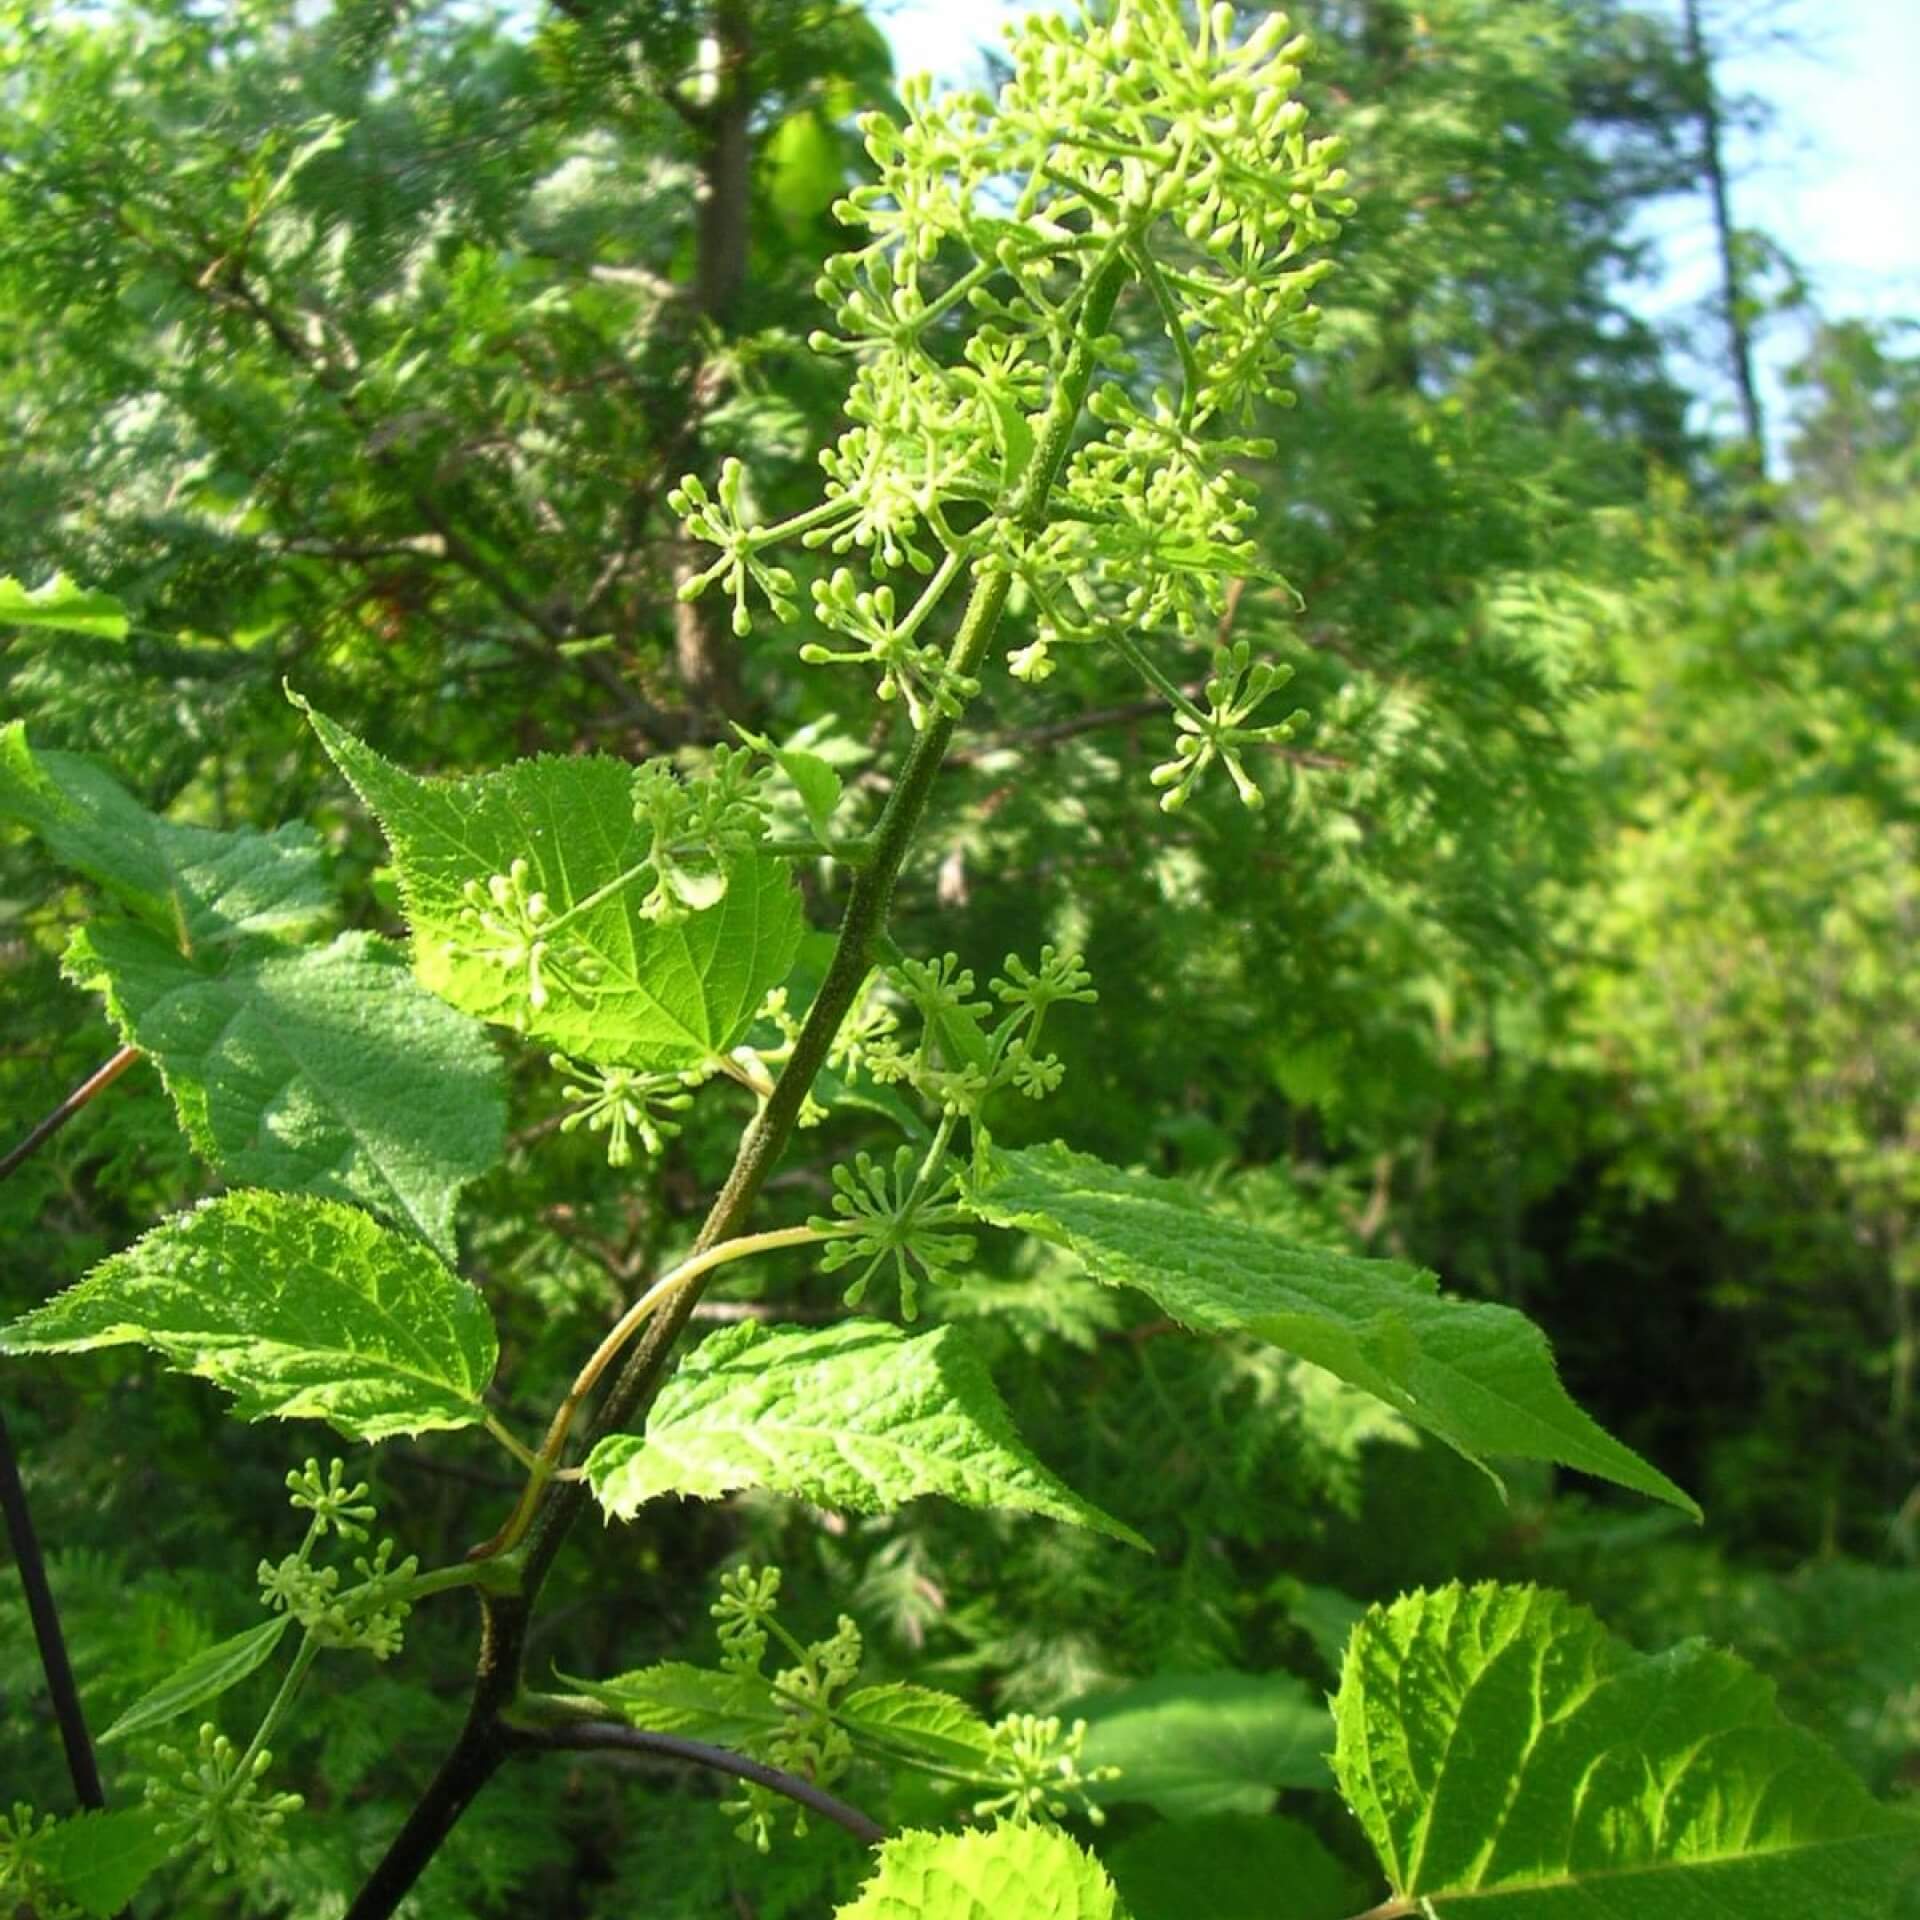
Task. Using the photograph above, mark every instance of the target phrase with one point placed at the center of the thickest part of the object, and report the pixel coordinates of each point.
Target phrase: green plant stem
(303, 1659)
(543, 1464)
(501, 1432)
(486, 1742)
(440, 1580)
(1137, 658)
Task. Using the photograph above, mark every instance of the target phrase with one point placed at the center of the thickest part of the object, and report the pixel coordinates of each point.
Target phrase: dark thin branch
(82, 1768)
(65, 1695)
(612, 1736)
(58, 1118)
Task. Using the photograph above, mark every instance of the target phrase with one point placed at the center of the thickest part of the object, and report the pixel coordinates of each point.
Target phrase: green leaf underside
(996, 1873)
(855, 1417)
(1478, 1376)
(301, 1308)
(61, 607)
(205, 1677)
(198, 887)
(813, 778)
(327, 1071)
(1190, 1744)
(101, 1860)
(919, 1721)
(896, 1722)
(697, 1703)
(1507, 1757)
(621, 990)
(1231, 1866)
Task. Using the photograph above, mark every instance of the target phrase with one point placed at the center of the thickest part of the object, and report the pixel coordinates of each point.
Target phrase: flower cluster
(905, 1215)
(908, 1214)
(696, 829)
(623, 1102)
(807, 1741)
(1240, 684)
(508, 924)
(1136, 146)
(215, 1799)
(960, 1062)
(25, 1883)
(1042, 1777)
(369, 1614)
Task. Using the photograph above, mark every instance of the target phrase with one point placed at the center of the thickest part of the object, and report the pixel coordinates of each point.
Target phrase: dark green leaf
(328, 1071)
(205, 1677)
(1480, 1377)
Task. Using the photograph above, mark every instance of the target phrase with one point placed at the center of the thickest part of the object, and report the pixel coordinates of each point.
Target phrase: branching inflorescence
(1179, 159)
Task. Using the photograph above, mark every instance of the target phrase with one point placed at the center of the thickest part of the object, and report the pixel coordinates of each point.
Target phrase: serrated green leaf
(1508, 1758)
(61, 607)
(327, 1071)
(1207, 1742)
(1478, 1376)
(205, 1677)
(199, 888)
(617, 988)
(995, 1873)
(728, 1709)
(301, 1308)
(918, 1722)
(101, 1860)
(1231, 1866)
(813, 779)
(856, 1417)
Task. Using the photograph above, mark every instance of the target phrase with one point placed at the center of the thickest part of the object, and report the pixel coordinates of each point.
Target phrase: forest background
(1573, 953)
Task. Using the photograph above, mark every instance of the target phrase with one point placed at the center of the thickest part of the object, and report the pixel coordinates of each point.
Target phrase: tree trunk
(1732, 295)
(705, 654)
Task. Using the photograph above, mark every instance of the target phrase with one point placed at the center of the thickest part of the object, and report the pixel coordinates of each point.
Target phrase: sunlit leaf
(300, 1308)
(856, 1417)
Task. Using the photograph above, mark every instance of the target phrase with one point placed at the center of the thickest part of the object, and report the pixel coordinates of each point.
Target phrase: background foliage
(1573, 953)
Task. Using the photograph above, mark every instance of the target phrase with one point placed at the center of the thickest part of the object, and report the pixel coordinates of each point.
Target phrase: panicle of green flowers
(1240, 684)
(904, 1214)
(807, 1740)
(907, 1214)
(509, 924)
(336, 1507)
(214, 1799)
(1135, 143)
(959, 1061)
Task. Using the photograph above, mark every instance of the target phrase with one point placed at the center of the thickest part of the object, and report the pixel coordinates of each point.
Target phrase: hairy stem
(486, 1741)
